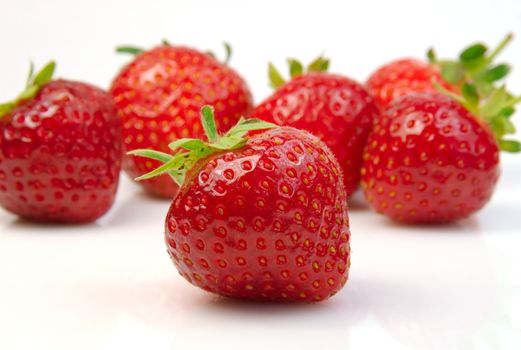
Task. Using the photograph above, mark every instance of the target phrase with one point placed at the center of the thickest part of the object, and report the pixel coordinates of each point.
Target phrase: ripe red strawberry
(409, 75)
(159, 95)
(429, 159)
(261, 217)
(336, 109)
(403, 77)
(60, 151)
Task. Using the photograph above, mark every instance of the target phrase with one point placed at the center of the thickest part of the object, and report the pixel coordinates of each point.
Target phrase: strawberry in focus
(261, 217)
(159, 95)
(60, 150)
(410, 75)
(336, 109)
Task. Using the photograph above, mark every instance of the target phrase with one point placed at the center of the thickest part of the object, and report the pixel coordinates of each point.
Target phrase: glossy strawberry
(159, 95)
(261, 217)
(403, 77)
(336, 109)
(409, 75)
(430, 160)
(60, 151)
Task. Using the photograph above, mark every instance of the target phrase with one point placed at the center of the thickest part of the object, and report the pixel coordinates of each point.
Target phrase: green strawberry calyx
(320, 64)
(134, 50)
(131, 50)
(227, 52)
(482, 89)
(474, 64)
(32, 86)
(188, 151)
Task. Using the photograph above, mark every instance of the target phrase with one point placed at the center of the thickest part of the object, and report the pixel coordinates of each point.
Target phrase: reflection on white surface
(111, 285)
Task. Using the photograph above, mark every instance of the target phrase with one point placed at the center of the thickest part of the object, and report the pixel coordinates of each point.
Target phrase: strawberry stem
(320, 64)
(481, 92)
(506, 40)
(496, 110)
(295, 67)
(33, 84)
(454, 96)
(208, 121)
(30, 75)
(227, 52)
(188, 151)
(276, 79)
(131, 50)
(513, 101)
(511, 146)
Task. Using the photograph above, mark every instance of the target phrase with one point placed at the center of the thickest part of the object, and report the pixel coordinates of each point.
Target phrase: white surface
(110, 285)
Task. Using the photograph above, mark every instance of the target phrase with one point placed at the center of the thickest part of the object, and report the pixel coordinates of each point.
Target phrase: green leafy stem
(188, 151)
(32, 86)
(482, 92)
(475, 65)
(320, 64)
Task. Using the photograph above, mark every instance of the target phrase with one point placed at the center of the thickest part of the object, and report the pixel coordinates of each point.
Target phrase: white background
(110, 285)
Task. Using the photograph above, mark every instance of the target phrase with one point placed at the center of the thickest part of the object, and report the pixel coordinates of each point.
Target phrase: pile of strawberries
(260, 193)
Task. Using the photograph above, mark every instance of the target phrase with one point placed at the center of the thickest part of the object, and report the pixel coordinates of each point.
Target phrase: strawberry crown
(33, 84)
(188, 151)
(320, 64)
(134, 50)
(482, 91)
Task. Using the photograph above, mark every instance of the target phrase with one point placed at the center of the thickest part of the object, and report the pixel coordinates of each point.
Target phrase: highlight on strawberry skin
(259, 216)
(476, 63)
(159, 94)
(60, 150)
(433, 156)
(337, 109)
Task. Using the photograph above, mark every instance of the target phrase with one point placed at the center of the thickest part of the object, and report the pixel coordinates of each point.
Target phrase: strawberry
(336, 109)
(403, 77)
(257, 217)
(432, 158)
(158, 96)
(409, 75)
(60, 150)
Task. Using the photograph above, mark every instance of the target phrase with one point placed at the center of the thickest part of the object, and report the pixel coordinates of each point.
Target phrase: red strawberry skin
(159, 96)
(429, 160)
(403, 77)
(60, 154)
(336, 109)
(266, 222)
